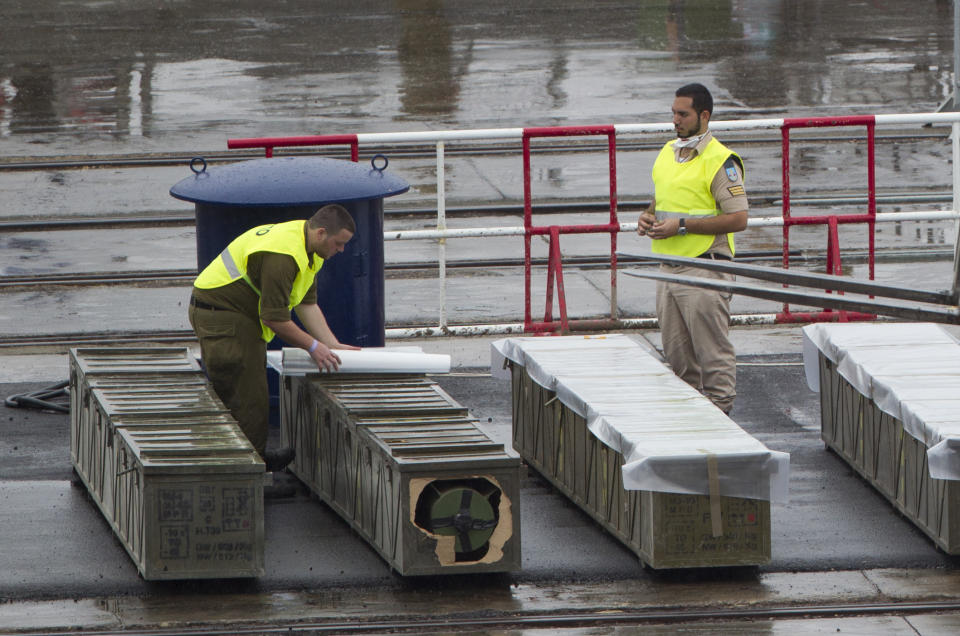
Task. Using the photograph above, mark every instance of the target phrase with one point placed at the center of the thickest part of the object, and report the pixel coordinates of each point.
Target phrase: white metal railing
(439, 138)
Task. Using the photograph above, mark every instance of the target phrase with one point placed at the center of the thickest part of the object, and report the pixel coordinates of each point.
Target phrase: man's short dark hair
(702, 99)
(333, 218)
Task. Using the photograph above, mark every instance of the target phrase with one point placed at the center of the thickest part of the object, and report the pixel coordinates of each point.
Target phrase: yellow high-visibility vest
(683, 190)
(281, 238)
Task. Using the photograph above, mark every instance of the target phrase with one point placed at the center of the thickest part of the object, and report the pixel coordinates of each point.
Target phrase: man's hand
(326, 359)
(645, 222)
(663, 229)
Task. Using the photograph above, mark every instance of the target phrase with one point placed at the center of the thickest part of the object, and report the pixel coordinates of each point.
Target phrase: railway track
(399, 269)
(186, 276)
(598, 619)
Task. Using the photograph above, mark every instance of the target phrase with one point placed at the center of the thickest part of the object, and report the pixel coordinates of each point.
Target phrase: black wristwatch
(682, 229)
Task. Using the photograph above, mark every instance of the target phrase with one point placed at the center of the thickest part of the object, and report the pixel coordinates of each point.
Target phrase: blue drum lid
(288, 181)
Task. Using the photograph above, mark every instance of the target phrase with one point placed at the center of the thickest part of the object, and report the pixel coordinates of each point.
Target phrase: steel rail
(544, 620)
(809, 279)
(64, 340)
(187, 275)
(759, 199)
(60, 342)
(907, 311)
(582, 262)
(104, 278)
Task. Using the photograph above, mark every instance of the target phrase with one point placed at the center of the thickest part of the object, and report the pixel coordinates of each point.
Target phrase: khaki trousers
(694, 325)
(235, 356)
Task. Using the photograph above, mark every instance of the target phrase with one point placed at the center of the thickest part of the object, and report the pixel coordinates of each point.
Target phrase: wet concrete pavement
(610, 602)
(835, 542)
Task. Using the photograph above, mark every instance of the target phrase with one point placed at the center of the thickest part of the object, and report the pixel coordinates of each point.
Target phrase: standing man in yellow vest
(699, 202)
(244, 297)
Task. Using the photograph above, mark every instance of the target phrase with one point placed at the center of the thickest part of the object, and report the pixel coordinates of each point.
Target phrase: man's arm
(720, 224)
(316, 323)
(275, 274)
(317, 331)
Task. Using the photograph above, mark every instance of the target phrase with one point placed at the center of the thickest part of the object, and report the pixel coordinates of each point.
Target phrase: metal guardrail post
(955, 289)
(441, 227)
(556, 264)
(832, 220)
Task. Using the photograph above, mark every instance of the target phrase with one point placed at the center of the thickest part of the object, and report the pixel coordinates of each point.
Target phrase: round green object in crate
(465, 513)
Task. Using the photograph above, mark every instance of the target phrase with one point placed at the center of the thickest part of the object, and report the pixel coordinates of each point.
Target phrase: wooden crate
(665, 530)
(166, 464)
(189, 499)
(876, 445)
(389, 454)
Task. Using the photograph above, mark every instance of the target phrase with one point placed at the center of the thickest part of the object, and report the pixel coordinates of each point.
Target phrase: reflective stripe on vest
(281, 238)
(230, 264)
(682, 190)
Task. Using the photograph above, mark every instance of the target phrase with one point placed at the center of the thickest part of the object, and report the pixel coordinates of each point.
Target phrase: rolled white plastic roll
(370, 360)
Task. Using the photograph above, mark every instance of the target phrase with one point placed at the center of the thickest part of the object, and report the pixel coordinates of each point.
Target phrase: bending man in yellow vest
(699, 202)
(244, 297)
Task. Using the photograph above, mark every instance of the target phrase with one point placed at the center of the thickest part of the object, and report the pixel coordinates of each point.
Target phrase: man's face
(686, 121)
(329, 245)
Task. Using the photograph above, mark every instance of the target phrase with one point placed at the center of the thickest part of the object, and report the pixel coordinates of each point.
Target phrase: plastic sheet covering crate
(586, 416)
(889, 406)
(166, 464)
(408, 468)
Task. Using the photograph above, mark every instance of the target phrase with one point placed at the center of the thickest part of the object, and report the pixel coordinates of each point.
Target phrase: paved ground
(835, 541)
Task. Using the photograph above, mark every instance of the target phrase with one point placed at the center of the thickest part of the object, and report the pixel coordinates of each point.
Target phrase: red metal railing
(555, 279)
(832, 221)
(269, 143)
(555, 260)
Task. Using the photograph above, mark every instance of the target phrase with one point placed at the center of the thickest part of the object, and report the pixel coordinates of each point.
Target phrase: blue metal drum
(234, 198)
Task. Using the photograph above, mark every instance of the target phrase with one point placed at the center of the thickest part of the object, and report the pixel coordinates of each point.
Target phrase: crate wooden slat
(383, 451)
(166, 463)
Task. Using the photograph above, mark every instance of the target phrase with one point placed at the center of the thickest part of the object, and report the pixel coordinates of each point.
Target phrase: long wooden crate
(408, 468)
(888, 457)
(665, 530)
(166, 464)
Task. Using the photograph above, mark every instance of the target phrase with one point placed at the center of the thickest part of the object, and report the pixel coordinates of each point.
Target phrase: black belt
(199, 304)
(715, 257)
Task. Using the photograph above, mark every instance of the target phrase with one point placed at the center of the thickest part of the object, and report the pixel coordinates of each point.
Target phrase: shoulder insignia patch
(736, 191)
(732, 174)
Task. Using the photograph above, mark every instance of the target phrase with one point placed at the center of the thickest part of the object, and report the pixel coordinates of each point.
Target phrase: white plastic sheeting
(665, 430)
(293, 361)
(910, 370)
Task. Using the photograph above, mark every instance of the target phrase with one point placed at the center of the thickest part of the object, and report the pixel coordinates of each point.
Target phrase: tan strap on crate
(713, 475)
